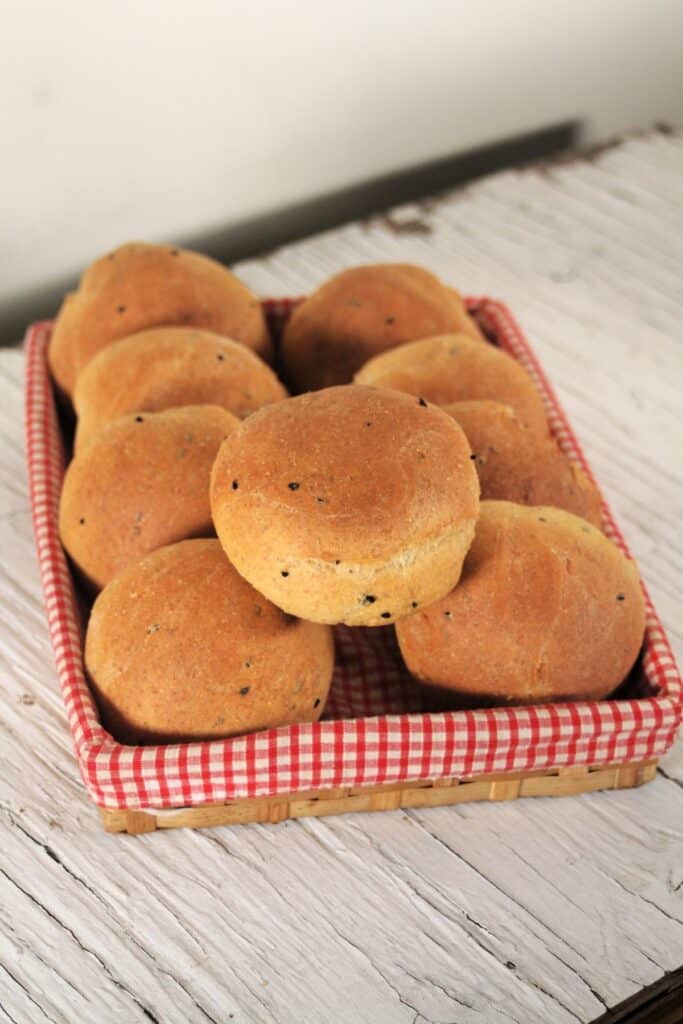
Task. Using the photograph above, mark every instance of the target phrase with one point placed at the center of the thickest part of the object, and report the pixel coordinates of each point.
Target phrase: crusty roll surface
(350, 504)
(361, 312)
(455, 368)
(138, 286)
(141, 483)
(180, 647)
(515, 464)
(167, 367)
(547, 609)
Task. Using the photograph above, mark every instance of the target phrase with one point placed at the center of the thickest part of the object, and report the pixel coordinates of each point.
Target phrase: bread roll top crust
(140, 285)
(362, 311)
(349, 471)
(547, 608)
(453, 368)
(515, 464)
(179, 646)
(141, 482)
(167, 367)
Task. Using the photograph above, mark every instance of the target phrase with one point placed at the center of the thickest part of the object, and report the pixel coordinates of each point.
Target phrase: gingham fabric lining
(375, 729)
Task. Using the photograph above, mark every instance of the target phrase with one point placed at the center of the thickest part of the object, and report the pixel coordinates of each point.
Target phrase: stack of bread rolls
(411, 482)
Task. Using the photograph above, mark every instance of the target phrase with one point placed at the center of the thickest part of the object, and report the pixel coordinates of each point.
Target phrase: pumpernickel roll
(139, 286)
(515, 464)
(547, 609)
(350, 504)
(363, 311)
(167, 367)
(454, 368)
(141, 483)
(180, 647)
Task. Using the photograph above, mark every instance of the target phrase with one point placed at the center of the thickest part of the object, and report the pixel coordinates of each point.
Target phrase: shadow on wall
(256, 236)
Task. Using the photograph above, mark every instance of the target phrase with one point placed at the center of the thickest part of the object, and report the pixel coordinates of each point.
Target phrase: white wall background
(158, 118)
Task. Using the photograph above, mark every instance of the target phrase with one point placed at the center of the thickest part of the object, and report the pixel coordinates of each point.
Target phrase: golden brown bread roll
(167, 367)
(363, 311)
(180, 647)
(515, 464)
(139, 286)
(547, 609)
(454, 368)
(350, 504)
(141, 483)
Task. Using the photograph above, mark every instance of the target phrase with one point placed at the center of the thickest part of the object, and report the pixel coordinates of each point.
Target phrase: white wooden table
(529, 911)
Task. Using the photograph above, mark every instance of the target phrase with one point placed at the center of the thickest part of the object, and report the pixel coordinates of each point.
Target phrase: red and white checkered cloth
(375, 729)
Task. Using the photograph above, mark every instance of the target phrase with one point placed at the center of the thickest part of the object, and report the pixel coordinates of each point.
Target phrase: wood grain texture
(390, 797)
(527, 911)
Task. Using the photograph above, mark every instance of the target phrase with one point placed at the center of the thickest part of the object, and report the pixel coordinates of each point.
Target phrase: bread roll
(171, 366)
(454, 368)
(139, 286)
(351, 504)
(361, 312)
(180, 647)
(547, 609)
(141, 483)
(515, 464)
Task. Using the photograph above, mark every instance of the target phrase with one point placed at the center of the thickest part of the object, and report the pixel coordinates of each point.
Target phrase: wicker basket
(379, 746)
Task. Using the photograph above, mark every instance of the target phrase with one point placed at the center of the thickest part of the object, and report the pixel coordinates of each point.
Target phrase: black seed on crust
(368, 599)
(284, 572)
(413, 604)
(316, 702)
(120, 309)
(422, 402)
(386, 615)
(621, 597)
(294, 486)
(244, 691)
(139, 419)
(235, 485)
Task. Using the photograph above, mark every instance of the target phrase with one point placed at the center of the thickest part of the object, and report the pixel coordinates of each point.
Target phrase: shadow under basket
(380, 745)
